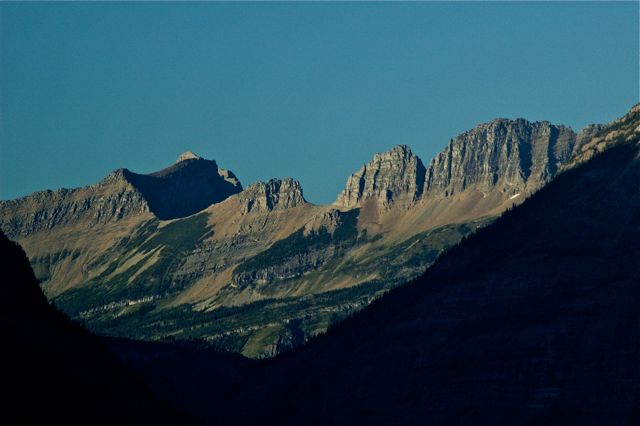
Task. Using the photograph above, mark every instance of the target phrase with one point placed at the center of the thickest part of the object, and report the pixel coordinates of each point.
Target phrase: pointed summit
(189, 155)
(186, 187)
(390, 177)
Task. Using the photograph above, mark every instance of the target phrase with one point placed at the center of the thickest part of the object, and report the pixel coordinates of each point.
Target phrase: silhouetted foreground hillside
(533, 320)
(53, 369)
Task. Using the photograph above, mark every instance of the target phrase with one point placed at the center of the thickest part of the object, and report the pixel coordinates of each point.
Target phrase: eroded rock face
(586, 134)
(111, 199)
(598, 138)
(180, 190)
(323, 238)
(505, 155)
(290, 267)
(395, 176)
(276, 194)
(508, 155)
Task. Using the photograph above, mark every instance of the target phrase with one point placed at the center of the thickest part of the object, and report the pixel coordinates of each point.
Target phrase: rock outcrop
(109, 200)
(392, 177)
(586, 134)
(624, 129)
(507, 155)
(288, 268)
(180, 190)
(189, 155)
(324, 237)
(276, 194)
(330, 220)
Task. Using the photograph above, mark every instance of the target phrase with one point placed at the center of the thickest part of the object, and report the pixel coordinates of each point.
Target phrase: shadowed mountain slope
(53, 369)
(532, 320)
(187, 187)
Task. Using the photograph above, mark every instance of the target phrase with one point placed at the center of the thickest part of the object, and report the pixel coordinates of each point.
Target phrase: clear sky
(307, 90)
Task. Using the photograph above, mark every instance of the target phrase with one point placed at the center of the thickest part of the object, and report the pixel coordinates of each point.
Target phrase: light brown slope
(238, 234)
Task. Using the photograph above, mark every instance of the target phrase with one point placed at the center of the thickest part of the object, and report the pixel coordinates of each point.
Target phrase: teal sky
(307, 90)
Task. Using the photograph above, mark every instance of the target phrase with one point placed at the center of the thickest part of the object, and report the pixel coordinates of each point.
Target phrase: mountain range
(532, 319)
(186, 253)
(529, 319)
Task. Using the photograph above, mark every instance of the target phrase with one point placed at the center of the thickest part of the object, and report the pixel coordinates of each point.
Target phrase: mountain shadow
(54, 370)
(532, 320)
(185, 188)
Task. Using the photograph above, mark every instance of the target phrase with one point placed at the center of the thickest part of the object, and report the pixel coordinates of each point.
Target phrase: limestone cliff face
(291, 267)
(507, 155)
(392, 177)
(328, 234)
(276, 194)
(183, 189)
(111, 199)
(504, 155)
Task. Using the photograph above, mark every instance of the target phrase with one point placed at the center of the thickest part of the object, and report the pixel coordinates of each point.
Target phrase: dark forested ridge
(532, 320)
(55, 370)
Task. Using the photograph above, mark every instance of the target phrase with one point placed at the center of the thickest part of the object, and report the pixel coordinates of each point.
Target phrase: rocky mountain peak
(276, 194)
(189, 155)
(185, 188)
(395, 176)
(507, 155)
(109, 200)
(177, 191)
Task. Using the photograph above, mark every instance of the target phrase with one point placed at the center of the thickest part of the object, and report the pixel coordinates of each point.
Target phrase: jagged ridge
(180, 190)
(507, 155)
(510, 156)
